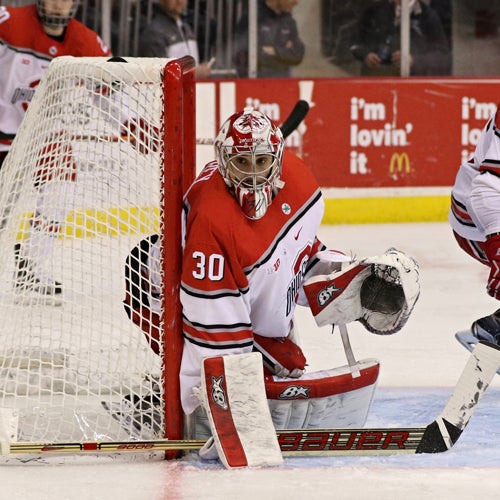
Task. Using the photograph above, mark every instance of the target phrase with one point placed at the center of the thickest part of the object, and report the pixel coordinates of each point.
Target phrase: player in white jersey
(30, 37)
(475, 217)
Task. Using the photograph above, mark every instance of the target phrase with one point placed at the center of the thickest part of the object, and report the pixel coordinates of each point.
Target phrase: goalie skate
(139, 417)
(30, 289)
(486, 329)
(34, 291)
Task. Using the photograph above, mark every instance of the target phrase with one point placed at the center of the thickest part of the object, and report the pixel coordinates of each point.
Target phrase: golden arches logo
(400, 162)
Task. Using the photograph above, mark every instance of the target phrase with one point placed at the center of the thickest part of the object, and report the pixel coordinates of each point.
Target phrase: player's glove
(492, 247)
(281, 356)
(379, 291)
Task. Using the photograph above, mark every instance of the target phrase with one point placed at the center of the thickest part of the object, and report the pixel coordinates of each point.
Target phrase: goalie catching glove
(380, 292)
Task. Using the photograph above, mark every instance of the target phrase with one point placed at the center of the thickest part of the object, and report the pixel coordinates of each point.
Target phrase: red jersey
(25, 53)
(241, 276)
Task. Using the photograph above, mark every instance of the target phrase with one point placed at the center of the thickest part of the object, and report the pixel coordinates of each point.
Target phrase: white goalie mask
(249, 151)
(56, 13)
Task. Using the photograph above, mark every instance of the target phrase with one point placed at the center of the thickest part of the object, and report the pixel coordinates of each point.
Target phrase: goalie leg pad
(233, 395)
(324, 399)
(9, 423)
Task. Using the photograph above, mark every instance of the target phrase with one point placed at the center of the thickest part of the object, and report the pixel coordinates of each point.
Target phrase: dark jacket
(428, 43)
(163, 38)
(274, 30)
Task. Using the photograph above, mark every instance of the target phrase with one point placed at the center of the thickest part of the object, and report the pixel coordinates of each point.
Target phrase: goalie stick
(437, 437)
(294, 119)
(468, 340)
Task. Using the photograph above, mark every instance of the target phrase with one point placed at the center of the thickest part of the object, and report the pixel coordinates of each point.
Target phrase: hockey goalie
(251, 254)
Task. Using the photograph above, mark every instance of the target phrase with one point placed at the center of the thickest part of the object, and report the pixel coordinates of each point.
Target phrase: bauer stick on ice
(437, 437)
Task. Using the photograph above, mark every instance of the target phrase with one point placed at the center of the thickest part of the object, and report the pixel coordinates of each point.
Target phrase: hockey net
(100, 163)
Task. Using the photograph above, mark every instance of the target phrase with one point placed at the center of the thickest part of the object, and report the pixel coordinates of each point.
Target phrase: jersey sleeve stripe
(490, 165)
(215, 294)
(28, 52)
(222, 339)
(460, 213)
(223, 326)
(219, 345)
(317, 247)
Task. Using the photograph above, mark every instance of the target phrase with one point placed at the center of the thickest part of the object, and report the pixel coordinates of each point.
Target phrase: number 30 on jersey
(211, 266)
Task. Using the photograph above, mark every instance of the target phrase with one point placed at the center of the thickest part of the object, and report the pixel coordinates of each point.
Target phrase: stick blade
(439, 436)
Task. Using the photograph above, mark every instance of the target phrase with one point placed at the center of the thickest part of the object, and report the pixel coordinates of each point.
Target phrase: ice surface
(419, 367)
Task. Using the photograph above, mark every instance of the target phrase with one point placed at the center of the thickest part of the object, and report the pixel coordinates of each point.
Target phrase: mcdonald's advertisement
(382, 136)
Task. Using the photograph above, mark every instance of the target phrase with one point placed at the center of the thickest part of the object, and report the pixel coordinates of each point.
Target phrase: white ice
(419, 367)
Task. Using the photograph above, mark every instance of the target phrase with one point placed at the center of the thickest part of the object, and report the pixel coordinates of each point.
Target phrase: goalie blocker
(380, 292)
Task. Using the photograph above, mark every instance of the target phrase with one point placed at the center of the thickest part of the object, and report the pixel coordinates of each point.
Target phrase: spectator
(378, 40)
(205, 26)
(168, 36)
(278, 43)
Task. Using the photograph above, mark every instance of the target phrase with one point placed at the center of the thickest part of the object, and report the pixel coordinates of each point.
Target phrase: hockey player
(251, 219)
(30, 37)
(251, 223)
(475, 219)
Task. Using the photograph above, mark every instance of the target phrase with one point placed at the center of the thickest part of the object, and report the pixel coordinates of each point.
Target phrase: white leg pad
(234, 397)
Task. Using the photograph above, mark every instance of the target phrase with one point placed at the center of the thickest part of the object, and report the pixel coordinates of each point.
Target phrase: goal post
(90, 341)
(179, 166)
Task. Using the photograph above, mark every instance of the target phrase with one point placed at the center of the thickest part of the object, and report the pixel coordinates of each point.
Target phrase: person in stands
(279, 44)
(377, 44)
(169, 36)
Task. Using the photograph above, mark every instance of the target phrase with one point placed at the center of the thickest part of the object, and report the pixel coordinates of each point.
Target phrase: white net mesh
(79, 189)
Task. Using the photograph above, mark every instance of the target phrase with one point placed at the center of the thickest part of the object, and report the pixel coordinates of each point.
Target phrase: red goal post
(100, 163)
(180, 166)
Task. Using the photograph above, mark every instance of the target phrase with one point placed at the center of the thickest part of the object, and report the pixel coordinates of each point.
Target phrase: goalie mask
(249, 150)
(56, 13)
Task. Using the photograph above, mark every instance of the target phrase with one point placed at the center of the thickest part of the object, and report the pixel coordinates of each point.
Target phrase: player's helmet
(54, 20)
(250, 133)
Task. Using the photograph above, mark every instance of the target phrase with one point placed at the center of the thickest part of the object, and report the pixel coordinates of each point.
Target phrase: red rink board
(384, 132)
